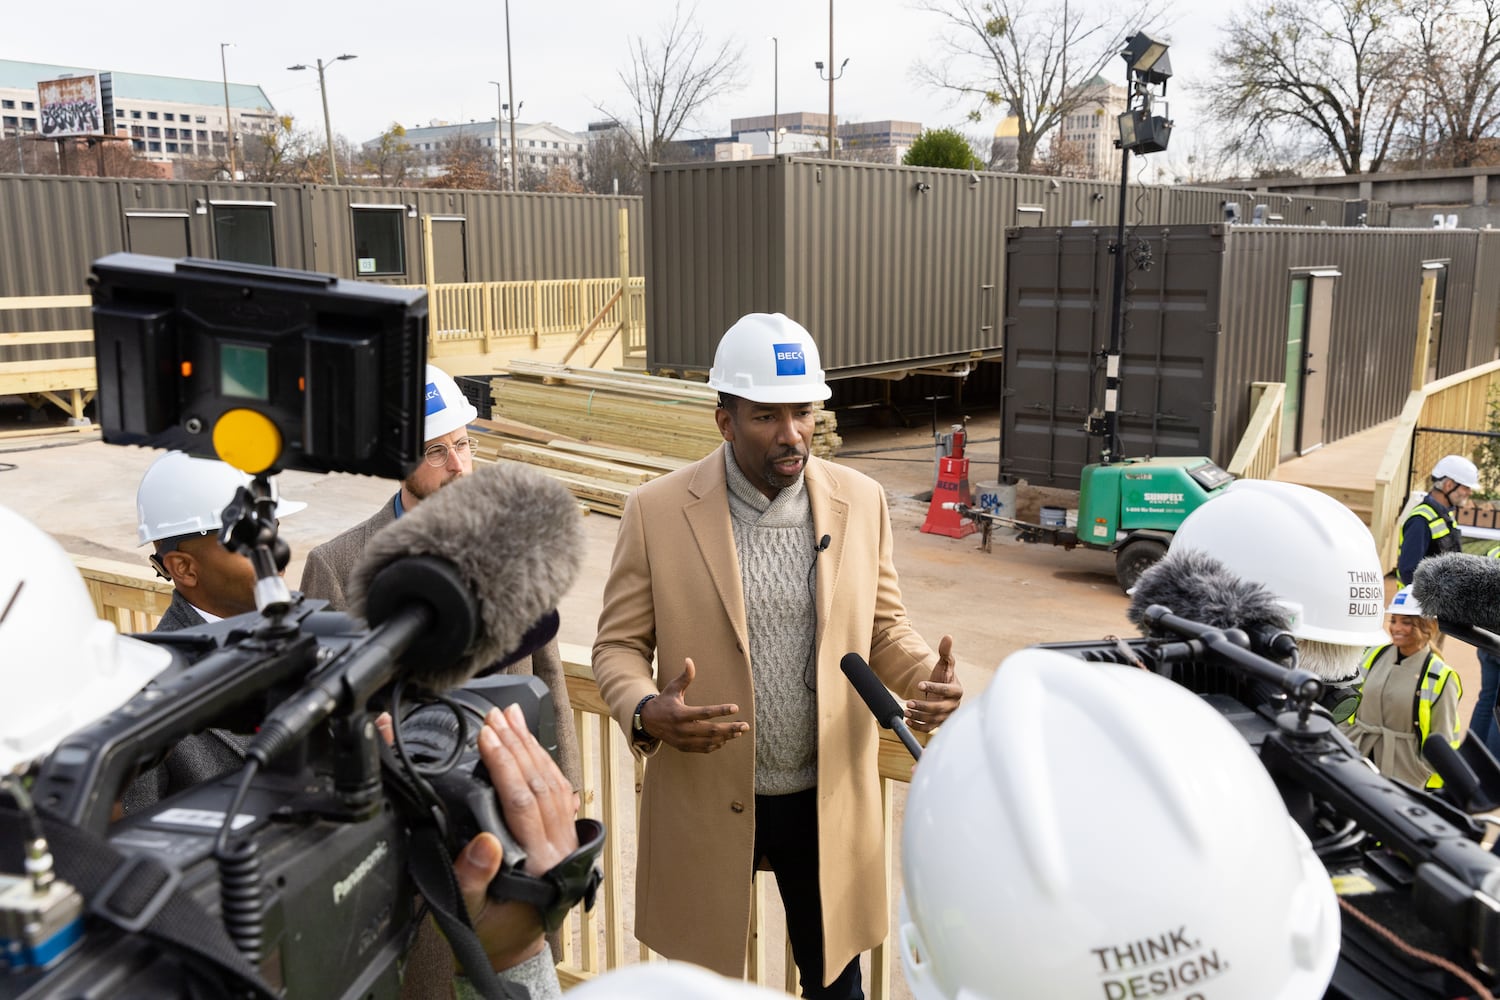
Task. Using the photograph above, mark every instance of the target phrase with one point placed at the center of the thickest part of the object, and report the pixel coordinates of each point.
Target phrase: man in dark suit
(178, 505)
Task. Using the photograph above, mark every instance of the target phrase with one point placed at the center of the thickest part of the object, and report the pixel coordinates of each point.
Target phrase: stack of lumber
(666, 416)
(599, 477)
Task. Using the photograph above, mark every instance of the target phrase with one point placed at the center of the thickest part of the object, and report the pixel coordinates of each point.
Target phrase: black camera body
(332, 904)
(1413, 861)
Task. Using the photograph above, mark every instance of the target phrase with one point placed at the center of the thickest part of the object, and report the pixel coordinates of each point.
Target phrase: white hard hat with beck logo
(447, 408)
(768, 358)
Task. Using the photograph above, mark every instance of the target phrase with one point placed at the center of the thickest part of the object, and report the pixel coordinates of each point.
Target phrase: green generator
(1133, 507)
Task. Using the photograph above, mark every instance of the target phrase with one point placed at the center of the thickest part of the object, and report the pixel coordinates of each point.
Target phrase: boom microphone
(466, 579)
(881, 704)
(1459, 588)
(506, 537)
(1196, 586)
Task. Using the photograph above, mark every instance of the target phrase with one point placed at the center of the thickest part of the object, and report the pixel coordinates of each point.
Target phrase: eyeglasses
(437, 455)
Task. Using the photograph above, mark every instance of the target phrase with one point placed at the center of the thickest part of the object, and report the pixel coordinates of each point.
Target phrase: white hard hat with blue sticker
(769, 358)
(447, 408)
(1405, 603)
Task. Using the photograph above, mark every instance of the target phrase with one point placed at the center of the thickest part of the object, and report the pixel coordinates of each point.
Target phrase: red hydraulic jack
(952, 487)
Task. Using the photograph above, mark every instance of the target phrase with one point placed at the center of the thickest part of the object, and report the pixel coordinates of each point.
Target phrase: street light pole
(832, 76)
(228, 118)
(499, 116)
(510, 87)
(775, 96)
(333, 163)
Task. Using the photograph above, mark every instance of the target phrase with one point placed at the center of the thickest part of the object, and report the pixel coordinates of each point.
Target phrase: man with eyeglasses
(447, 455)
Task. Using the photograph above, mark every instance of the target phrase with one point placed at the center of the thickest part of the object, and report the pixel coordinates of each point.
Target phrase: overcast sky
(422, 61)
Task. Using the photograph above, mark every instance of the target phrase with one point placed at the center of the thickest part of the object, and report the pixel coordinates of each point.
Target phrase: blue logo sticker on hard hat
(790, 360)
(435, 402)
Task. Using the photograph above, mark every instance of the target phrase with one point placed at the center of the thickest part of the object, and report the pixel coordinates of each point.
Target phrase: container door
(1296, 339)
(1434, 273)
(450, 261)
(1315, 364)
(1308, 321)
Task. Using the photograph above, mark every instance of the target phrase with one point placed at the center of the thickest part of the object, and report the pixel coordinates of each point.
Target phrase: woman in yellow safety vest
(1407, 694)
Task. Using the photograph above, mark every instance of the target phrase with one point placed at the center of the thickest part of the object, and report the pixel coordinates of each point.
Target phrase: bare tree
(560, 179)
(284, 152)
(1031, 59)
(388, 160)
(1325, 76)
(669, 82)
(467, 166)
(1459, 111)
(611, 165)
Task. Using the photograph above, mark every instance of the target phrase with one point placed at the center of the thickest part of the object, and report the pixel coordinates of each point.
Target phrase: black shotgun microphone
(1196, 586)
(1461, 589)
(882, 704)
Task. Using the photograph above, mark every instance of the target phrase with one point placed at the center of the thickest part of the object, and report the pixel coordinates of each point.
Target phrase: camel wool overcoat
(674, 589)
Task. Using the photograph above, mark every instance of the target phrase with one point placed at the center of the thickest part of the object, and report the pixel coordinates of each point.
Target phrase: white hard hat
(62, 665)
(1457, 468)
(768, 358)
(1305, 547)
(1404, 602)
(448, 409)
(1082, 826)
(677, 980)
(183, 495)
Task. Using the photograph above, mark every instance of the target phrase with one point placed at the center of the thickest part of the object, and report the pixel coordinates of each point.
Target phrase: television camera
(1416, 873)
(299, 874)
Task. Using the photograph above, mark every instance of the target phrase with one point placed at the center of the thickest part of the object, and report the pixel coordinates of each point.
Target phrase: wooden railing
(1459, 401)
(594, 942)
(510, 316)
(67, 383)
(1259, 451)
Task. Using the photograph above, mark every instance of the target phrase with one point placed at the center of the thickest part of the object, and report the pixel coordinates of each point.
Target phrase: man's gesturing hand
(942, 692)
(689, 728)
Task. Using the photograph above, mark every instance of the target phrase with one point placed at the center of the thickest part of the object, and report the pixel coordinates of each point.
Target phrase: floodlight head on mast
(1146, 59)
(1143, 132)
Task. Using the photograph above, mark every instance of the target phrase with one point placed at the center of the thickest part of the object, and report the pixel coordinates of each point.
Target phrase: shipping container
(891, 268)
(53, 228)
(1208, 310)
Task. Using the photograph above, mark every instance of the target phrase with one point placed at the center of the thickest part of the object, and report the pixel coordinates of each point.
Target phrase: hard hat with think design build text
(1095, 830)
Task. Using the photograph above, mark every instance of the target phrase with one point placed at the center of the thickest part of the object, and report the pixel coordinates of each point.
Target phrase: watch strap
(559, 889)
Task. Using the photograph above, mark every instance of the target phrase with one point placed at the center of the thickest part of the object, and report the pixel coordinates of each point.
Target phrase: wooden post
(429, 271)
(1424, 330)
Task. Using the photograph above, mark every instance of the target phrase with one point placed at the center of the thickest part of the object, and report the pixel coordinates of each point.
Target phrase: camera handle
(249, 528)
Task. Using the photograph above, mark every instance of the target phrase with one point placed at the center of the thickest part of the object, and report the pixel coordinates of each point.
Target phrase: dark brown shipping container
(1210, 315)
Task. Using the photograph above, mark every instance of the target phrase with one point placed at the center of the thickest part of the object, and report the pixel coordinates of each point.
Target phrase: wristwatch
(638, 732)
